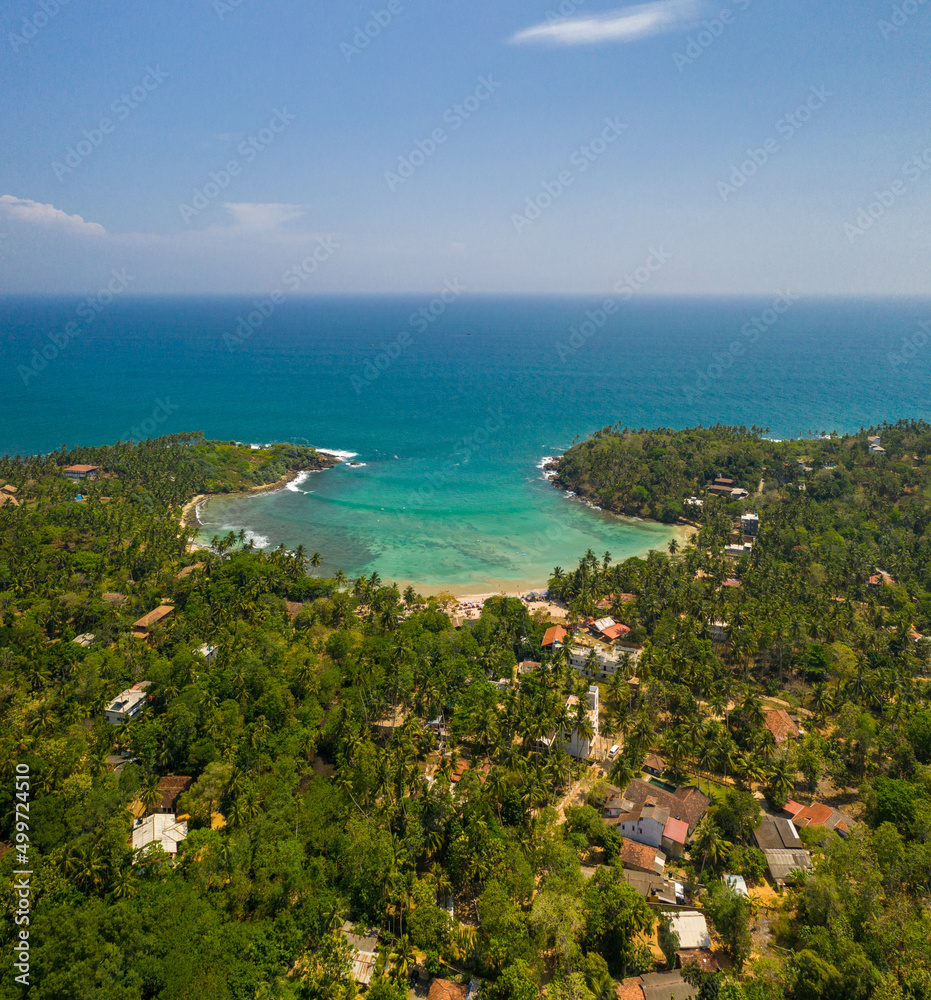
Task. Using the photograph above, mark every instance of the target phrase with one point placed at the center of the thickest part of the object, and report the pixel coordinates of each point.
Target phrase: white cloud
(261, 218)
(625, 25)
(36, 214)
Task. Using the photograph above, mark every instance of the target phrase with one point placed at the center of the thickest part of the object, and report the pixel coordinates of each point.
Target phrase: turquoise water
(469, 402)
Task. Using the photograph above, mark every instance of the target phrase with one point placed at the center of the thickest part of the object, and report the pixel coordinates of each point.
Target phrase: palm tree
(315, 560)
(401, 958)
(710, 844)
(151, 793)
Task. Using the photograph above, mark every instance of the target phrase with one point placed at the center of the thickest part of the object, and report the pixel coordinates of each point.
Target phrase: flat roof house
(127, 704)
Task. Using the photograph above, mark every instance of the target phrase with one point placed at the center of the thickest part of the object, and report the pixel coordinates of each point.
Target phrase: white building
(161, 829)
(208, 652)
(646, 825)
(581, 746)
(608, 662)
(127, 704)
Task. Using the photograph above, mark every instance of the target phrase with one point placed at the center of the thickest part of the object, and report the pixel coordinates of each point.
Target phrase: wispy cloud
(254, 217)
(48, 216)
(627, 24)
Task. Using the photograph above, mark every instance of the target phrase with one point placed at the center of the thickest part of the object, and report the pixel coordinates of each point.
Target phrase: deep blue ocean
(450, 406)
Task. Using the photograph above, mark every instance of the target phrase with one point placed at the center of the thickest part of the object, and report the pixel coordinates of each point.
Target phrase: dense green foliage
(327, 742)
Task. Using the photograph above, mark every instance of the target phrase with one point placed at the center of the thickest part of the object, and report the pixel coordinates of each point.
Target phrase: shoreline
(189, 514)
(550, 467)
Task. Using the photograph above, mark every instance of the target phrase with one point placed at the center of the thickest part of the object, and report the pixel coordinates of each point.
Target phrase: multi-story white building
(581, 746)
(608, 662)
(127, 704)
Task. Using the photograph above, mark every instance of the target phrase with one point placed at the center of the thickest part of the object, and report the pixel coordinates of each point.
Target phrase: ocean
(449, 404)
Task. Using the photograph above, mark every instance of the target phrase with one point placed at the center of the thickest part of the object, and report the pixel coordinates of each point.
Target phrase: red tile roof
(676, 830)
(615, 631)
(444, 989)
(554, 634)
(816, 814)
(639, 855)
(780, 725)
(81, 468)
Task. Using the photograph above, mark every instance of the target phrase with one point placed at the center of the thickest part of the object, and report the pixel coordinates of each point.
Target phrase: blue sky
(532, 146)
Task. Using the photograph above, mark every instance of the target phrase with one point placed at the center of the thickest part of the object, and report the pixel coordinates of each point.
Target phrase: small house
(781, 726)
(692, 929)
(642, 857)
(162, 829)
(364, 949)
(171, 786)
(554, 636)
(654, 764)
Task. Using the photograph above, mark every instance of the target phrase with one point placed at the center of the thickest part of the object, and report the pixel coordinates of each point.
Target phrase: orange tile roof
(639, 855)
(629, 989)
(780, 725)
(816, 814)
(554, 634)
(160, 613)
(615, 631)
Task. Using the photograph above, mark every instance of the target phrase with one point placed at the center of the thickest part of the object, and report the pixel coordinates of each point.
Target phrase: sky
(533, 146)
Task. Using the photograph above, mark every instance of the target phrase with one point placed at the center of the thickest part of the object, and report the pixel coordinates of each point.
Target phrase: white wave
(295, 485)
(358, 465)
(546, 458)
(336, 453)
